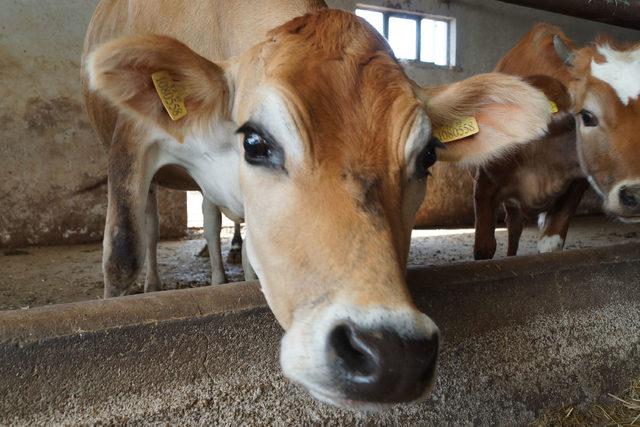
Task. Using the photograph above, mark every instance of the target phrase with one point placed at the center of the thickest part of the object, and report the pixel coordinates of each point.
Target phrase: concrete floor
(520, 336)
(38, 276)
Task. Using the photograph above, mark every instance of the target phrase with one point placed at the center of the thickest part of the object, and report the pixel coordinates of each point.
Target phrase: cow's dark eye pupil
(588, 118)
(430, 157)
(260, 149)
(255, 146)
(427, 158)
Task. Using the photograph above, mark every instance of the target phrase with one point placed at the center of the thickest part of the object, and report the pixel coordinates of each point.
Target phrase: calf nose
(380, 366)
(630, 197)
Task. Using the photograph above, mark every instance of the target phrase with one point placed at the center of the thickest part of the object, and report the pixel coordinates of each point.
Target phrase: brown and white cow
(542, 178)
(605, 88)
(312, 132)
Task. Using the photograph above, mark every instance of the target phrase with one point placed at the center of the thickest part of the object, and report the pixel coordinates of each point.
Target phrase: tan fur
(353, 102)
(353, 105)
(121, 70)
(331, 226)
(215, 29)
(506, 109)
(534, 54)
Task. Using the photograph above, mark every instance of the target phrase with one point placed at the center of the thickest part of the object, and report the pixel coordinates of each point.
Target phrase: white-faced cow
(605, 89)
(542, 178)
(299, 120)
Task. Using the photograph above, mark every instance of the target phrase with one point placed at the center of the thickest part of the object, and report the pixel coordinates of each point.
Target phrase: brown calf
(543, 178)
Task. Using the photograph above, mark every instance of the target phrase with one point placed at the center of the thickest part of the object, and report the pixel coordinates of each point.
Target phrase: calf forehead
(619, 69)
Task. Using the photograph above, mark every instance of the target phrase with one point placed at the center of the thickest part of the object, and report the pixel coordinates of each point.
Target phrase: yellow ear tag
(461, 129)
(554, 107)
(171, 96)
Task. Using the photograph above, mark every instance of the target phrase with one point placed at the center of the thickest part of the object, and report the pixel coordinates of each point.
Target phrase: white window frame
(418, 17)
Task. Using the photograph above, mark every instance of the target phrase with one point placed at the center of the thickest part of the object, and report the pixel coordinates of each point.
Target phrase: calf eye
(588, 118)
(427, 158)
(259, 148)
(255, 147)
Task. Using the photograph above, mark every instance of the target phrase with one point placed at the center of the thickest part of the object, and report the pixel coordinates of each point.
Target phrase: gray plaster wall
(47, 148)
(486, 30)
(48, 151)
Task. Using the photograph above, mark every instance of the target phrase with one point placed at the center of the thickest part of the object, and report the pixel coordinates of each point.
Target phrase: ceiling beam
(623, 13)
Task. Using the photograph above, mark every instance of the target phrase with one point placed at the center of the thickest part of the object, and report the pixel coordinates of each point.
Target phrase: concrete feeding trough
(520, 336)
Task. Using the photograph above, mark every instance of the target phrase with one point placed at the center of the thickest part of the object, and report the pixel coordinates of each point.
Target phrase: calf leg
(249, 273)
(515, 223)
(235, 253)
(130, 174)
(554, 225)
(212, 226)
(152, 281)
(485, 198)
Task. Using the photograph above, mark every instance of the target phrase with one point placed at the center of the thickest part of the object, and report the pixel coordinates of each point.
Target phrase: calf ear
(508, 112)
(121, 71)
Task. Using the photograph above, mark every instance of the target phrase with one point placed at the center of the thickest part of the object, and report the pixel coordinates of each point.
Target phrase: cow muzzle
(630, 198)
(380, 366)
(363, 358)
(623, 201)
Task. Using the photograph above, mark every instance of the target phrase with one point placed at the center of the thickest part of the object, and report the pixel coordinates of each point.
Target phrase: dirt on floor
(38, 276)
(624, 410)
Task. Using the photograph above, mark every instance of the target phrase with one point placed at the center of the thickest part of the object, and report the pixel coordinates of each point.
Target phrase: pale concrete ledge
(520, 335)
(54, 321)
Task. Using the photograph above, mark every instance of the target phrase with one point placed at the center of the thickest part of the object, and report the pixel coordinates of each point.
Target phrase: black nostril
(380, 365)
(628, 198)
(352, 353)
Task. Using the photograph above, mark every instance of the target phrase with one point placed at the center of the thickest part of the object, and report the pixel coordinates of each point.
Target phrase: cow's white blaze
(418, 139)
(273, 114)
(621, 71)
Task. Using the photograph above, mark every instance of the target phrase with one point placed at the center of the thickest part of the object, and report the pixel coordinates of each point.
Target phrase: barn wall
(48, 150)
(486, 30)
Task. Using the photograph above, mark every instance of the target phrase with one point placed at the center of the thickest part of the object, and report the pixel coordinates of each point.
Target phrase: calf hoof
(548, 244)
(152, 286)
(112, 291)
(484, 249)
(119, 281)
(219, 279)
(234, 256)
(484, 253)
(204, 252)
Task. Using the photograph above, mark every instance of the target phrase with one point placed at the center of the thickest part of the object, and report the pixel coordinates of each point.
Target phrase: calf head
(333, 146)
(605, 93)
